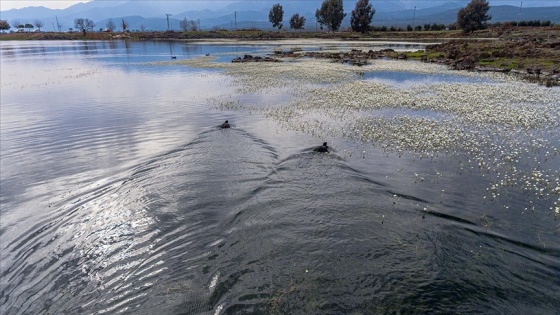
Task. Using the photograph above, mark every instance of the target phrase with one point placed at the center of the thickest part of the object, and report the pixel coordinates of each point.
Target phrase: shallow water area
(121, 194)
(407, 79)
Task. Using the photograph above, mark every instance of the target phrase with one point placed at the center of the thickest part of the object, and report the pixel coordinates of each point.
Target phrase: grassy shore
(519, 49)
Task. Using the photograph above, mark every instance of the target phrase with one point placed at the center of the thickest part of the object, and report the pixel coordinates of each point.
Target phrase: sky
(18, 4)
(62, 4)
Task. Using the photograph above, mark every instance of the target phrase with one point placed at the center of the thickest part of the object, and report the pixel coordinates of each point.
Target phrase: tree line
(471, 18)
(4, 25)
(537, 23)
(330, 15)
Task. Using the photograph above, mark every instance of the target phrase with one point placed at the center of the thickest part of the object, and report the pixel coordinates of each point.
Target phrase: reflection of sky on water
(335, 45)
(406, 79)
(113, 52)
(123, 52)
(116, 180)
(98, 104)
(62, 116)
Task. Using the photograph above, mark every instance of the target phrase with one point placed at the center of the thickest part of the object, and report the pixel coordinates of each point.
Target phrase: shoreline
(531, 53)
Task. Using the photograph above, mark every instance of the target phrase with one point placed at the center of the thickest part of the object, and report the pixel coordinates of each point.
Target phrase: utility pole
(413, 17)
(168, 15)
(235, 13)
(57, 24)
(520, 7)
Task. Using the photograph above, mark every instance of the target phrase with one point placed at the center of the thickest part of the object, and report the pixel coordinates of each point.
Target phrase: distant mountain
(498, 13)
(508, 13)
(28, 13)
(151, 15)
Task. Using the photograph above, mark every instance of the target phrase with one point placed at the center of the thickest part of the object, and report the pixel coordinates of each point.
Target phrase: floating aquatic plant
(500, 126)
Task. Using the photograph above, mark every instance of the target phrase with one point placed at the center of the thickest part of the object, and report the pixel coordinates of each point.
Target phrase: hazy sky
(62, 4)
(17, 4)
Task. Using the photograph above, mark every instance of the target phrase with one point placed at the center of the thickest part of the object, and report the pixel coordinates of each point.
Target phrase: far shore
(531, 52)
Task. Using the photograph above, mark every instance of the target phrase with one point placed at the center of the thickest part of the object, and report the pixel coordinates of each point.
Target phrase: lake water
(120, 195)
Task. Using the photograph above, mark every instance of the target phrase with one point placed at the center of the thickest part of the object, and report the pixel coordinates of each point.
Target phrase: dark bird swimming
(322, 148)
(225, 125)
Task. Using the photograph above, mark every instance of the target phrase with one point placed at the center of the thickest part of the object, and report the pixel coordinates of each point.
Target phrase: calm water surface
(119, 194)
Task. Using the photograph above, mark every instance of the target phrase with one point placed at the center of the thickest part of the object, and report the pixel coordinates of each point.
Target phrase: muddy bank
(533, 54)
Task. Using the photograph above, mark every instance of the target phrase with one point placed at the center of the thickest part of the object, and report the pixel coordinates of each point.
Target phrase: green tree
(4, 25)
(297, 22)
(362, 16)
(28, 26)
(124, 25)
(84, 25)
(474, 16)
(330, 14)
(276, 15)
